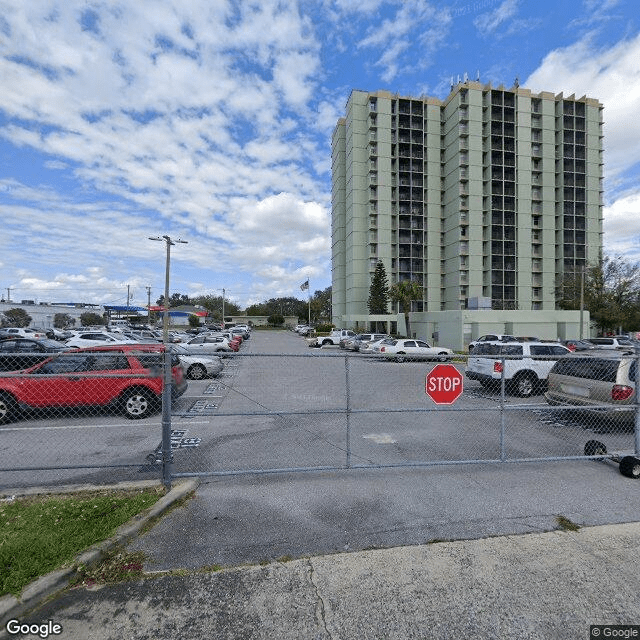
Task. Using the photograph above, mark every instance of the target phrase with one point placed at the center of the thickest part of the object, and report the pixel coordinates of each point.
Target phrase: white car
(24, 332)
(525, 366)
(206, 343)
(491, 337)
(197, 367)
(411, 349)
(370, 347)
(97, 339)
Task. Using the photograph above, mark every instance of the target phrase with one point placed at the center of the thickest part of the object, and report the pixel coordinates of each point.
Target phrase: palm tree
(405, 292)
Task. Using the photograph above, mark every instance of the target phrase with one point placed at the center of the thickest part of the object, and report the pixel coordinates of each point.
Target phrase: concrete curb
(39, 590)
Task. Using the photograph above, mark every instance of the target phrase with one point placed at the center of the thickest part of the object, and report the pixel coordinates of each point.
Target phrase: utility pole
(223, 308)
(9, 290)
(149, 306)
(128, 298)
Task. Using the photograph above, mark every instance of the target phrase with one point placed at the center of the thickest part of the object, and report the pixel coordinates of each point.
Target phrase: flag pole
(309, 294)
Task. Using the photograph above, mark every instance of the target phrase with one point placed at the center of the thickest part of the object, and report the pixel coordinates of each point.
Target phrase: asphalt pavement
(552, 585)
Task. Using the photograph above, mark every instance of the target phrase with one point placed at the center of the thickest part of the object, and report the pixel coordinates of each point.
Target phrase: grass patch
(44, 533)
(566, 525)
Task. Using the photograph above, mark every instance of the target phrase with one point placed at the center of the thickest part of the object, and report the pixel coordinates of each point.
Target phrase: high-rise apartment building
(484, 198)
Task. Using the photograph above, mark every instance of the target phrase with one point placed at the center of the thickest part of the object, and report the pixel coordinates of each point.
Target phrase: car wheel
(326, 342)
(525, 385)
(196, 372)
(400, 357)
(138, 403)
(595, 448)
(8, 408)
(630, 467)
(443, 357)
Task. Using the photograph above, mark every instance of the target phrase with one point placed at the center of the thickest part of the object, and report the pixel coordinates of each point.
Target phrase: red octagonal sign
(444, 384)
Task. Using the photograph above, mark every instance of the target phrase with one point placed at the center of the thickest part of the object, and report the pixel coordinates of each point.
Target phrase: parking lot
(279, 405)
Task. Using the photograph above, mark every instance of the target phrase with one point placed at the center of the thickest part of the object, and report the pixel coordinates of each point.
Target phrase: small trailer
(628, 463)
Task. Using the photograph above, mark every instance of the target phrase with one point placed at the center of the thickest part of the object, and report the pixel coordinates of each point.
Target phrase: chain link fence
(96, 417)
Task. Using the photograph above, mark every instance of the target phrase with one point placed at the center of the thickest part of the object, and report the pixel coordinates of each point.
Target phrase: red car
(125, 377)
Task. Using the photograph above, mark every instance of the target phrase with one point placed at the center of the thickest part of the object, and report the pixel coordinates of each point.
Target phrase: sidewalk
(548, 585)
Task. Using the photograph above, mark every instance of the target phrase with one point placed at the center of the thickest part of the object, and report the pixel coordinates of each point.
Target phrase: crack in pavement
(320, 609)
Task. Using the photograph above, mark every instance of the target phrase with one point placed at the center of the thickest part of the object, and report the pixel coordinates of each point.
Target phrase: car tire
(443, 357)
(595, 448)
(524, 385)
(326, 342)
(630, 467)
(196, 372)
(400, 356)
(8, 408)
(138, 403)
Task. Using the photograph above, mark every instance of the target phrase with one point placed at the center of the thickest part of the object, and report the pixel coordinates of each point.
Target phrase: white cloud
(622, 227)
(488, 23)
(415, 20)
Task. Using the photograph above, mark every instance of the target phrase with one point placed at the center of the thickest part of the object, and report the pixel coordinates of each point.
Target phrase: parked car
(335, 336)
(357, 342)
(611, 343)
(578, 345)
(125, 377)
(597, 378)
(370, 347)
(22, 353)
(208, 343)
(526, 364)
(23, 332)
(96, 339)
(410, 349)
(491, 337)
(197, 367)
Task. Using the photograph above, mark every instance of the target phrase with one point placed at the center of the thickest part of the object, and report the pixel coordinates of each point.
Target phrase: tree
(213, 304)
(321, 305)
(405, 292)
(17, 317)
(611, 293)
(175, 300)
(275, 320)
(194, 321)
(63, 320)
(378, 301)
(88, 318)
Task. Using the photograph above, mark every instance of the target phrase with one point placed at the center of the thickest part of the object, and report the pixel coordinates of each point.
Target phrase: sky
(211, 120)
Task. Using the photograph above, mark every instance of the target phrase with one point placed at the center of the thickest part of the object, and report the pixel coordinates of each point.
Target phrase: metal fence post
(348, 410)
(166, 419)
(502, 412)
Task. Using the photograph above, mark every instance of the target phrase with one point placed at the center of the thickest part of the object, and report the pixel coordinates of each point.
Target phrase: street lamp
(166, 387)
(165, 321)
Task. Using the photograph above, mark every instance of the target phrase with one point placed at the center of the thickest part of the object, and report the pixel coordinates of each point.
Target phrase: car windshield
(180, 350)
(51, 344)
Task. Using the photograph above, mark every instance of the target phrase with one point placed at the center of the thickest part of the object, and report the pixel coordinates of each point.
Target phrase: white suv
(526, 364)
(491, 337)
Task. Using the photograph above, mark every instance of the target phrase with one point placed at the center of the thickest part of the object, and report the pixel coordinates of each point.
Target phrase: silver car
(197, 367)
(603, 382)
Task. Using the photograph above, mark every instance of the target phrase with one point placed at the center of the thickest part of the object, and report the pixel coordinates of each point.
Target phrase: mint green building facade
(484, 199)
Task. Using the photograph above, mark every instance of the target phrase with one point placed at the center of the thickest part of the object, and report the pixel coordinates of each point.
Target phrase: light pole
(166, 387)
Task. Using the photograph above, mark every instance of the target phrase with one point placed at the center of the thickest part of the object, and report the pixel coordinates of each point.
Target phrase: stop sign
(444, 384)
